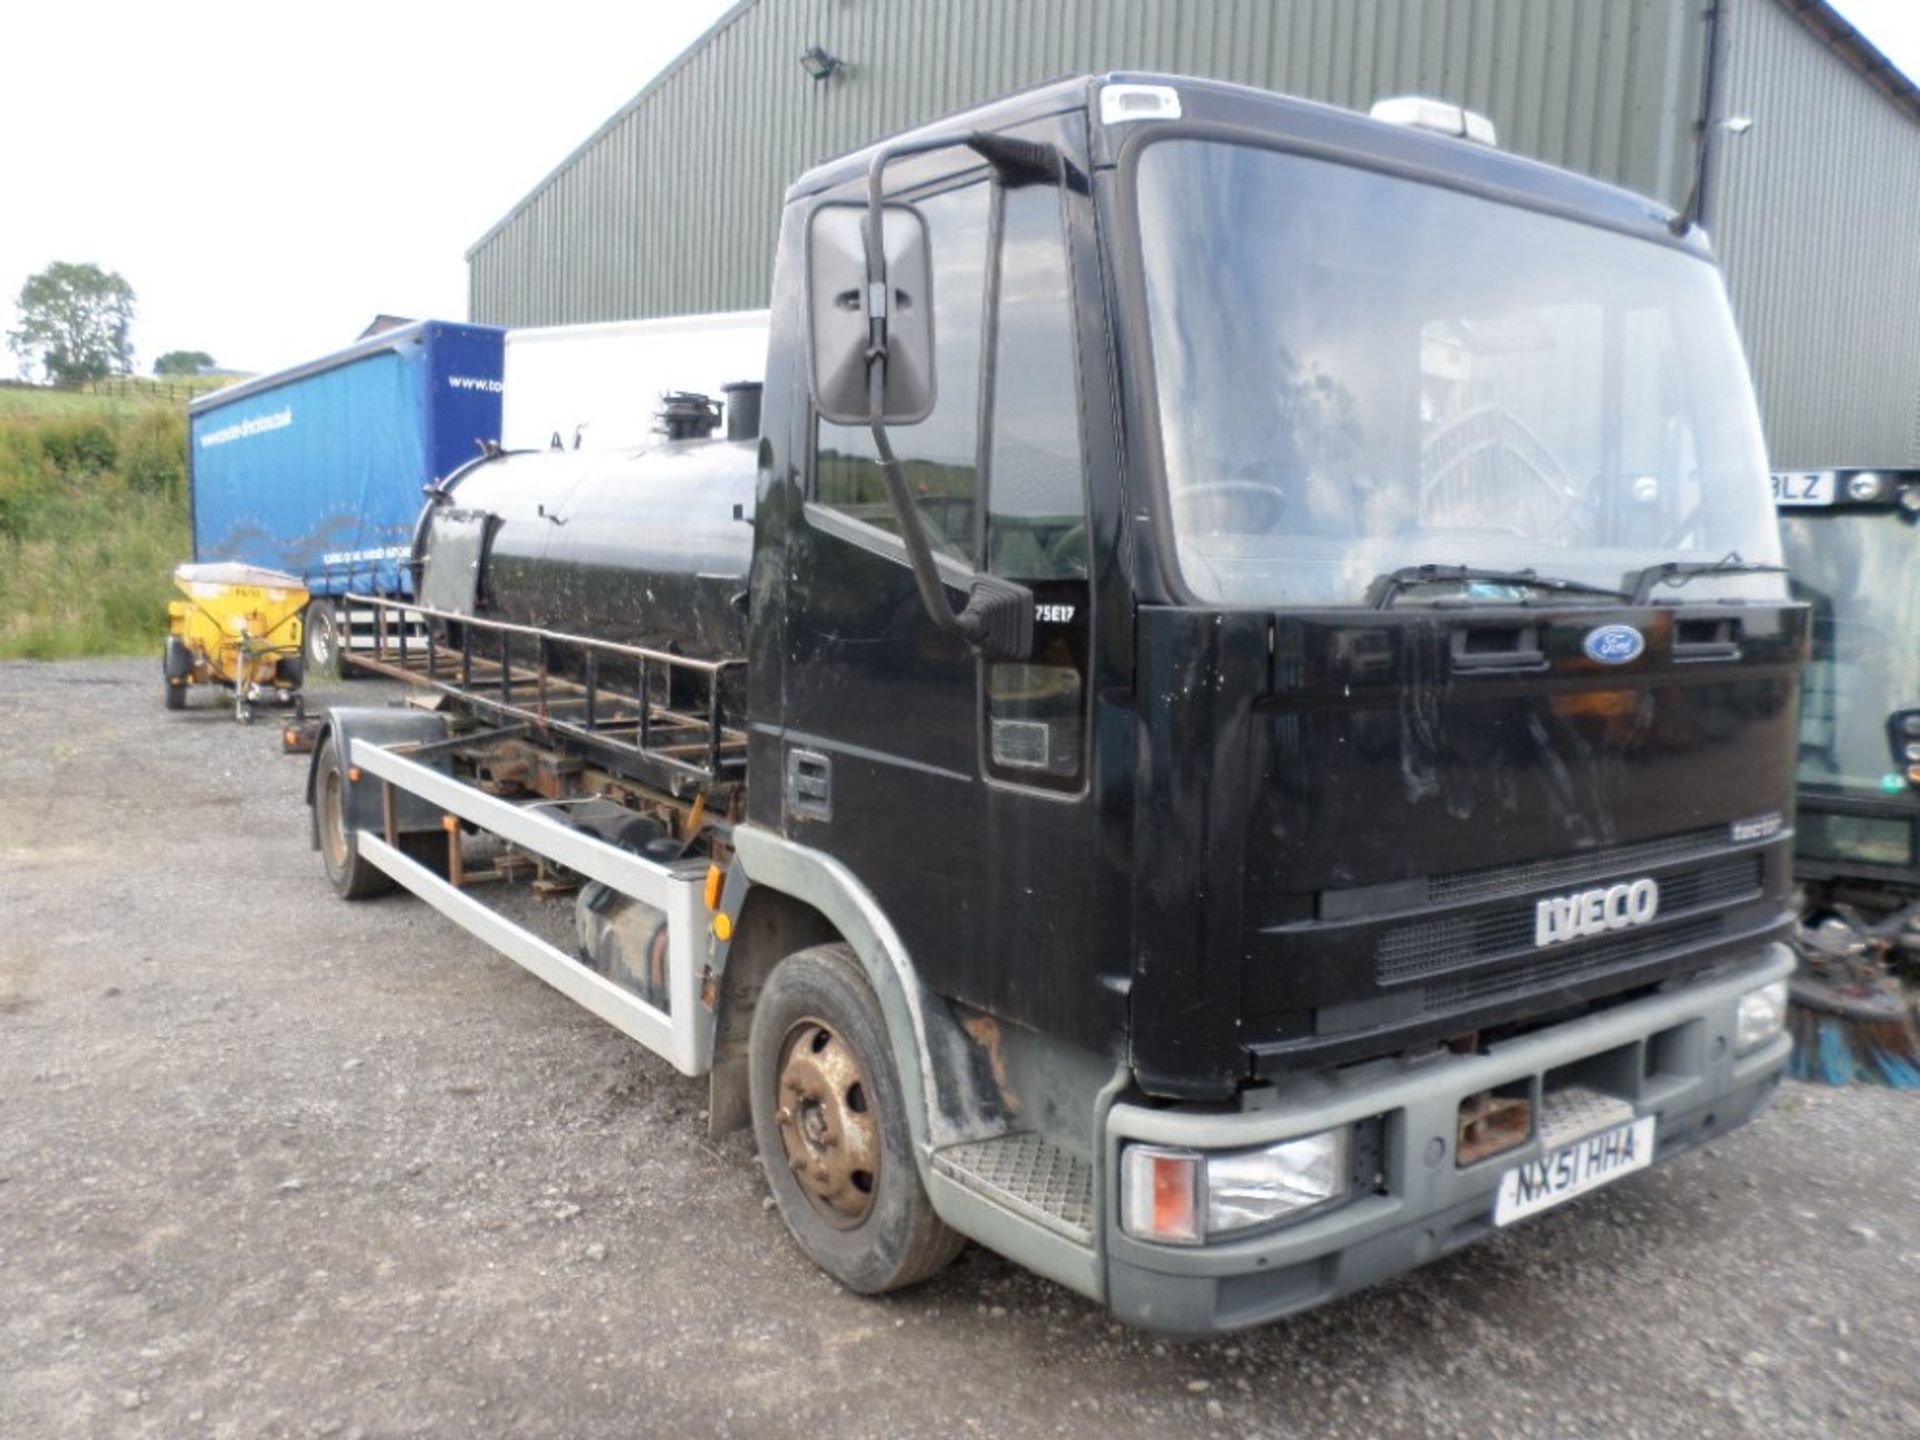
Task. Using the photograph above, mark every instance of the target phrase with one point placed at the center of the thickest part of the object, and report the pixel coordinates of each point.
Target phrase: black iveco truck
(1224, 726)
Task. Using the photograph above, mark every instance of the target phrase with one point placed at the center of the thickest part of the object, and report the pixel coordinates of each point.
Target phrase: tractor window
(938, 456)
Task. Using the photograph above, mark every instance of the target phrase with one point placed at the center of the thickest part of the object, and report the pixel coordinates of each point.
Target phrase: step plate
(1025, 1174)
(1577, 1112)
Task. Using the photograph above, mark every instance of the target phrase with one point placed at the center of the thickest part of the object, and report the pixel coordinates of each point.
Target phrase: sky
(269, 178)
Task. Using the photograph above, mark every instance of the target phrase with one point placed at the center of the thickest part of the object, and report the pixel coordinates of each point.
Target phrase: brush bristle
(1832, 1050)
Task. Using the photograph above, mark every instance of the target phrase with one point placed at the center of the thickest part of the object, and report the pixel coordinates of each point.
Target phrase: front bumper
(1670, 1055)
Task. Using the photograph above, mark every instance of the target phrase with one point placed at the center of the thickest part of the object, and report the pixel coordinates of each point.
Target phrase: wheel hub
(827, 1125)
(333, 820)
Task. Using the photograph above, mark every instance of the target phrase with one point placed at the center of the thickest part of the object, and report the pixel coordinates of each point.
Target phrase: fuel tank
(642, 547)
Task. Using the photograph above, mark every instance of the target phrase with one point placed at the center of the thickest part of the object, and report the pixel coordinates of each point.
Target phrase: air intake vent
(1501, 880)
(1590, 963)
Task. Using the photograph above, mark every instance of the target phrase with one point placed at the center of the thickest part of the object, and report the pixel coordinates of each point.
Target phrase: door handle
(1498, 649)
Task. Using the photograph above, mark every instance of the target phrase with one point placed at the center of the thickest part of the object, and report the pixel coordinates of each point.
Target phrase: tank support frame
(639, 712)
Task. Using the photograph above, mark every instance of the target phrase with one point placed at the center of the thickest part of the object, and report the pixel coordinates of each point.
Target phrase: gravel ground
(275, 1165)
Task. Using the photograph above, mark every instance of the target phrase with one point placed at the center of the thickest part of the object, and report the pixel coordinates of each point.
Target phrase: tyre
(830, 1123)
(320, 640)
(351, 875)
(176, 666)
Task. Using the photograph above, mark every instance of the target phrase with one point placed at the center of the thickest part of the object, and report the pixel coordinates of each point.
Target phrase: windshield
(1358, 373)
(1855, 568)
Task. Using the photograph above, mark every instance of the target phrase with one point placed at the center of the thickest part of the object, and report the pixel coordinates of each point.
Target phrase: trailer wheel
(351, 875)
(320, 640)
(176, 665)
(831, 1127)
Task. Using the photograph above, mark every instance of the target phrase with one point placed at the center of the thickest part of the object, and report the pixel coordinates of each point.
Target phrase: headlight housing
(1763, 1015)
(1186, 1197)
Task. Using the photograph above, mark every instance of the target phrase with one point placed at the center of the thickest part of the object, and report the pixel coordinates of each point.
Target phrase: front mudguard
(411, 814)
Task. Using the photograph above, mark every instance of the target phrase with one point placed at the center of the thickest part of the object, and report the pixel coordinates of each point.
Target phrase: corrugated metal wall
(672, 207)
(1816, 215)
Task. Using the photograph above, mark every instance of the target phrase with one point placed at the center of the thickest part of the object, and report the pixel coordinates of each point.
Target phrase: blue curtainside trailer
(318, 470)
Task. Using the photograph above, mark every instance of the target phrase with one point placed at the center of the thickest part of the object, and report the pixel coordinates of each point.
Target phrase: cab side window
(1036, 501)
(1036, 523)
(939, 457)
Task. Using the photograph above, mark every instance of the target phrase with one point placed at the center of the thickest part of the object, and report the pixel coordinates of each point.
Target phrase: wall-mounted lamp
(1737, 124)
(819, 64)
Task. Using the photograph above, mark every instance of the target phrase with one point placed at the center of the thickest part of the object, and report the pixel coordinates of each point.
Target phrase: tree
(183, 362)
(74, 322)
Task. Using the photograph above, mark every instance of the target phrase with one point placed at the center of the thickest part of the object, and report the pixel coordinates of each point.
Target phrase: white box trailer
(602, 383)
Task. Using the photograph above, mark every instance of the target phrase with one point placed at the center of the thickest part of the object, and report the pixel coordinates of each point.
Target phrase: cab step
(1025, 1174)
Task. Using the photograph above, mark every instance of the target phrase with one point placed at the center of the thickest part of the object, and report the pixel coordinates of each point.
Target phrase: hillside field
(93, 517)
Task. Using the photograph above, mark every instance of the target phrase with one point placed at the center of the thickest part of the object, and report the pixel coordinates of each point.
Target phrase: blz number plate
(1574, 1169)
(1803, 487)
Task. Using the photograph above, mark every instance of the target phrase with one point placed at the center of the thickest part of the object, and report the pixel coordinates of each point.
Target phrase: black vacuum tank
(643, 547)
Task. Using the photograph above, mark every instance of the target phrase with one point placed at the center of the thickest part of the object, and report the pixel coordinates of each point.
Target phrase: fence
(161, 390)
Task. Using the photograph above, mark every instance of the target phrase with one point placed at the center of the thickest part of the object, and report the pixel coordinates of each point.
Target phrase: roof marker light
(1443, 117)
(1120, 103)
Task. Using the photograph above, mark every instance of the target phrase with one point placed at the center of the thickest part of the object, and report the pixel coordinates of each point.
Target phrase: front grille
(1497, 880)
(1588, 963)
(1434, 947)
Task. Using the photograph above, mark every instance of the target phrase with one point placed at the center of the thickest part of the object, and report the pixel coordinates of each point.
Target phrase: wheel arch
(782, 897)
(345, 724)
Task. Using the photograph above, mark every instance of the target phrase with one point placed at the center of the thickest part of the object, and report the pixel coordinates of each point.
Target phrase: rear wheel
(320, 640)
(352, 876)
(830, 1124)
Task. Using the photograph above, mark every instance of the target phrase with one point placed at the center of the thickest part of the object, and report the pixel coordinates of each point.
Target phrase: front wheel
(830, 1124)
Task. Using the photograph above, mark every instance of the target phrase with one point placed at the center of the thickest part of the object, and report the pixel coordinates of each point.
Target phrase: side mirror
(838, 316)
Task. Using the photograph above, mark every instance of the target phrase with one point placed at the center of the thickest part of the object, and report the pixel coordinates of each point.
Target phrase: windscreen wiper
(1679, 572)
(1387, 588)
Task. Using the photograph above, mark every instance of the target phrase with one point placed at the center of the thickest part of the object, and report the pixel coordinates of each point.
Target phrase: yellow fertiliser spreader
(239, 627)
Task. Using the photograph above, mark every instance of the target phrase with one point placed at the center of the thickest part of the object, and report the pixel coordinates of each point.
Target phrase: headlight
(1763, 1015)
(1252, 1187)
(1183, 1197)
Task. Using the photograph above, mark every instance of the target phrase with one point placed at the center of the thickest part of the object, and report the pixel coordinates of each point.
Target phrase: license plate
(1803, 487)
(1573, 1169)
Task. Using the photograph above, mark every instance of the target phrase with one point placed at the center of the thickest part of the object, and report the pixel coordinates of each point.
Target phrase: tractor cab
(1852, 537)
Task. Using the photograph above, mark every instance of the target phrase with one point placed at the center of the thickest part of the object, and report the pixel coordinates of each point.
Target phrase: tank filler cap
(686, 415)
(1443, 117)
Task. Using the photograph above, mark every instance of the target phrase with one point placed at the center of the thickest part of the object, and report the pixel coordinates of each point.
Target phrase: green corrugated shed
(671, 207)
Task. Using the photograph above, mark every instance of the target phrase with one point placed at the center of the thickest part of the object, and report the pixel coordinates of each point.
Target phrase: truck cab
(1405, 592)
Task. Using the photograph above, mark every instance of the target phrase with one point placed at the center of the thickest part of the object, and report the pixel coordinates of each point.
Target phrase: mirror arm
(998, 617)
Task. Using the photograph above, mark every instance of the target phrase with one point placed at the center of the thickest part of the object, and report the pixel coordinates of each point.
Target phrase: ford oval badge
(1614, 644)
